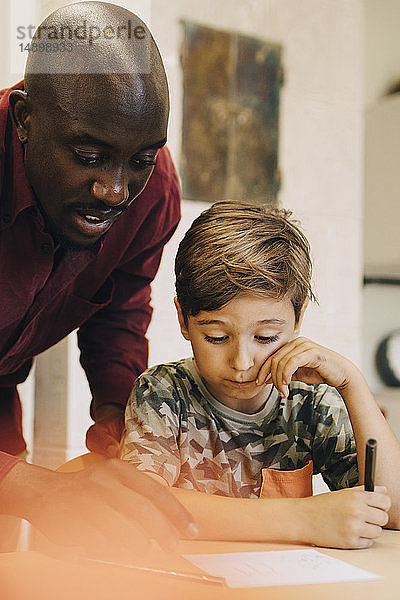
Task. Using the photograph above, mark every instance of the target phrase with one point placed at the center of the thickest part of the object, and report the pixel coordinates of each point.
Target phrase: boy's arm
(348, 518)
(303, 360)
(368, 422)
(345, 519)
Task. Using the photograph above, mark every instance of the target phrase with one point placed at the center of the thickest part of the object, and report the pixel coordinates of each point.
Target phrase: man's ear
(19, 113)
(301, 315)
(182, 324)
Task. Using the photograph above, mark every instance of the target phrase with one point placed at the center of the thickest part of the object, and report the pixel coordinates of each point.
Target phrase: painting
(231, 93)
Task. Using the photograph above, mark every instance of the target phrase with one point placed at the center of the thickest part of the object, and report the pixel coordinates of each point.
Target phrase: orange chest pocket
(287, 484)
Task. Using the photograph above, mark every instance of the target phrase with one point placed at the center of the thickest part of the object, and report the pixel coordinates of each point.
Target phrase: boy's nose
(242, 359)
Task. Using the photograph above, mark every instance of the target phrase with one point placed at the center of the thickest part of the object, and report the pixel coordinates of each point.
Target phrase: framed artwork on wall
(231, 93)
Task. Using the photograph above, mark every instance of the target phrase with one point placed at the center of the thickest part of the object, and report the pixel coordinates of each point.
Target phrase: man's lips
(94, 222)
(97, 214)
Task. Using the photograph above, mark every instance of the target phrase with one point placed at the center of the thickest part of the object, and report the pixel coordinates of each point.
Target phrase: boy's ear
(301, 315)
(182, 324)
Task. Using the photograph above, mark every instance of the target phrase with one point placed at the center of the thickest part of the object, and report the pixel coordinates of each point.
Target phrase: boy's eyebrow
(278, 322)
(271, 322)
(209, 322)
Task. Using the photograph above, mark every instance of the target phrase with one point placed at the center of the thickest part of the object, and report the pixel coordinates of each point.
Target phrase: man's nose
(112, 189)
(242, 359)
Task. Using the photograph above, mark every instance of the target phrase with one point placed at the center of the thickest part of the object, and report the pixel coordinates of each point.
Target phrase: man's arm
(109, 504)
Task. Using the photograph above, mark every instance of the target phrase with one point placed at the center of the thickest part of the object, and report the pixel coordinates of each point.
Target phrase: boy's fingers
(378, 499)
(264, 373)
(370, 531)
(279, 365)
(376, 516)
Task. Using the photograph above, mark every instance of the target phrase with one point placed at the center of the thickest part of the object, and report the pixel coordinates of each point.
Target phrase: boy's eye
(267, 339)
(88, 159)
(216, 340)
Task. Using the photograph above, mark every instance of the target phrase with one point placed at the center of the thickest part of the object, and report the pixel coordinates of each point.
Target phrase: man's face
(88, 156)
(231, 344)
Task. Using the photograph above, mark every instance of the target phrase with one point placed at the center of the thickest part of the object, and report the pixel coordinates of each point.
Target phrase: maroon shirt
(105, 292)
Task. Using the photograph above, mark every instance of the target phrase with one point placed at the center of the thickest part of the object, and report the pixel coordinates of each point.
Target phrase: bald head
(93, 37)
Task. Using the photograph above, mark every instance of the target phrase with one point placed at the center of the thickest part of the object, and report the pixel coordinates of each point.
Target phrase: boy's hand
(303, 360)
(349, 518)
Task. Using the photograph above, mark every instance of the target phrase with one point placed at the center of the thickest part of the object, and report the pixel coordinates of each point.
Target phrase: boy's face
(231, 344)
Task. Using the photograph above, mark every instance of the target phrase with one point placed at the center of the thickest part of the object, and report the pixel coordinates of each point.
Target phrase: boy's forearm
(241, 519)
(368, 422)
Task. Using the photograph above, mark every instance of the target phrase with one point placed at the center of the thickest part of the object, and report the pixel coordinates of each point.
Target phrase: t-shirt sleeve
(152, 426)
(334, 447)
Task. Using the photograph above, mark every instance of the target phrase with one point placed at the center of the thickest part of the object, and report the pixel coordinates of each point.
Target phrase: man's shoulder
(5, 94)
(162, 188)
(165, 168)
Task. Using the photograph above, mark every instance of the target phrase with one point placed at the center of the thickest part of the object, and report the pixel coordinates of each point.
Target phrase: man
(89, 197)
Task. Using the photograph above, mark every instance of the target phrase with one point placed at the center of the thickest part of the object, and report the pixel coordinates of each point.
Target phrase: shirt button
(6, 219)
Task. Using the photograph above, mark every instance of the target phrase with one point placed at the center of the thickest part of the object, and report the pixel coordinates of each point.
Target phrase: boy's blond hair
(236, 248)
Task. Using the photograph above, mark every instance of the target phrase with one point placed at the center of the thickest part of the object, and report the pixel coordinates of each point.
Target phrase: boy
(255, 413)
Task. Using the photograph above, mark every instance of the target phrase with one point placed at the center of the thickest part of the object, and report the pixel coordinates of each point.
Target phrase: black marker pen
(370, 461)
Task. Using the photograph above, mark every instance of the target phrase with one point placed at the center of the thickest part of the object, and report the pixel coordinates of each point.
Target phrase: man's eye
(89, 159)
(267, 339)
(143, 162)
(215, 340)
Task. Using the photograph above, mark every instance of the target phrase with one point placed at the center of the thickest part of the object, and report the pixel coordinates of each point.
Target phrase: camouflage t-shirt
(177, 429)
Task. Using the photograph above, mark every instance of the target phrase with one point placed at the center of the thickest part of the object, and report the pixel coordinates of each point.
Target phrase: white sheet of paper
(282, 567)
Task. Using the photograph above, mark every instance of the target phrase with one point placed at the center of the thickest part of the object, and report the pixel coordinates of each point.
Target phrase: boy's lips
(241, 383)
